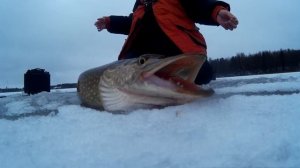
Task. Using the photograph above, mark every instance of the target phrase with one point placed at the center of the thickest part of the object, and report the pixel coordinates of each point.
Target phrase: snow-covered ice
(251, 121)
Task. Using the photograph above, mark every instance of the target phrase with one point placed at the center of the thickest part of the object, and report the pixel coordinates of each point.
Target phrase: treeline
(265, 62)
(59, 86)
(64, 86)
(10, 90)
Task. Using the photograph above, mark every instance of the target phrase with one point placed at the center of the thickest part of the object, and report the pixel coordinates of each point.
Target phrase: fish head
(152, 80)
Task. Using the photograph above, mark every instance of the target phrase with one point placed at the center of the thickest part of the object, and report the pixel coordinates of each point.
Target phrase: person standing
(168, 27)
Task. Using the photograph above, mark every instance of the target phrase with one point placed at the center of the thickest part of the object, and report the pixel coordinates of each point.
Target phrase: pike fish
(149, 81)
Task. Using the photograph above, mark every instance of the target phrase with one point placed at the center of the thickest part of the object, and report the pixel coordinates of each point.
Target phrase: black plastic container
(36, 81)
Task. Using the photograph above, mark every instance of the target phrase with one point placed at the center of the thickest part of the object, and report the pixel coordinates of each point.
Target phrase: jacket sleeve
(119, 24)
(201, 11)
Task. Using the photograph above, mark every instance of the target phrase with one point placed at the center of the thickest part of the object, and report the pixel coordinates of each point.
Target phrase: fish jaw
(178, 75)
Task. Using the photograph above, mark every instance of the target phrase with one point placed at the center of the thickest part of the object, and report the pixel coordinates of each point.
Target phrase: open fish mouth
(178, 74)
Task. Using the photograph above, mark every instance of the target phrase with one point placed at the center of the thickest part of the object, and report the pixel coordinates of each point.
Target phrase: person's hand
(227, 20)
(101, 23)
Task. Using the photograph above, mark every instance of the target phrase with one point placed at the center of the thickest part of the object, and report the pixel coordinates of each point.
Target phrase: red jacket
(177, 24)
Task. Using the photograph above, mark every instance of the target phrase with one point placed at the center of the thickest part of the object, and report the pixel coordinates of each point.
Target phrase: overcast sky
(59, 35)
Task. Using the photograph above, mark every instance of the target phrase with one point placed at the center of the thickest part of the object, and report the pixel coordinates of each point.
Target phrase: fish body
(145, 82)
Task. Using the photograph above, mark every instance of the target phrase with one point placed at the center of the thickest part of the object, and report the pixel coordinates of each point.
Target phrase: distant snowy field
(251, 121)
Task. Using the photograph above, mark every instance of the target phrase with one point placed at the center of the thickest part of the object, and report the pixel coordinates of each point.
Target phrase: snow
(251, 121)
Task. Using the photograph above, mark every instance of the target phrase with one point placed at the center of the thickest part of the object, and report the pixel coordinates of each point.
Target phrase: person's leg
(205, 75)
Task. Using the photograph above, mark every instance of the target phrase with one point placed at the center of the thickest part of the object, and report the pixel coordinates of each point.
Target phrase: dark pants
(206, 74)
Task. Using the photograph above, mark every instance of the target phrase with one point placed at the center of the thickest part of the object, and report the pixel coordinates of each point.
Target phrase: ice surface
(250, 122)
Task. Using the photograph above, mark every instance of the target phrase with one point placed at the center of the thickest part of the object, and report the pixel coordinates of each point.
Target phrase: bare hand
(227, 20)
(100, 24)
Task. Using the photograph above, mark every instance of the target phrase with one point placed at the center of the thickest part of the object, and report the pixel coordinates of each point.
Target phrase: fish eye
(142, 60)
